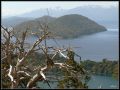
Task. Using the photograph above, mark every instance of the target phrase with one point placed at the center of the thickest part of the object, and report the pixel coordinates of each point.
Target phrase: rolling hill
(67, 26)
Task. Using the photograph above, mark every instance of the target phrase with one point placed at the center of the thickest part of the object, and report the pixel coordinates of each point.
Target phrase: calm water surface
(94, 47)
(104, 82)
(96, 82)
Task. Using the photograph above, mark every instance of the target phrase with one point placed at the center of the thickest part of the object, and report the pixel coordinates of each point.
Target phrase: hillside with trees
(67, 26)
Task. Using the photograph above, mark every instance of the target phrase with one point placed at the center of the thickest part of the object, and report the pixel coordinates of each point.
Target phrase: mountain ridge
(107, 17)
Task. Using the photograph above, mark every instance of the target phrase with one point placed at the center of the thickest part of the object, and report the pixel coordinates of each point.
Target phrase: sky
(13, 8)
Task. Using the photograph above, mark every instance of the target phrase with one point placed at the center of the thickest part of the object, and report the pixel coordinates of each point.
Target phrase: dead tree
(16, 72)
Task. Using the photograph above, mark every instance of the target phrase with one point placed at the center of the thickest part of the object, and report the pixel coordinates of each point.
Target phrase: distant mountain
(45, 19)
(67, 26)
(12, 21)
(43, 12)
(107, 17)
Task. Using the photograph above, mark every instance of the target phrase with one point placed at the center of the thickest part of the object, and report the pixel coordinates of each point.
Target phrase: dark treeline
(104, 67)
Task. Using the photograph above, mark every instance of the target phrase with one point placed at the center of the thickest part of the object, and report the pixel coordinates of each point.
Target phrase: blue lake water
(103, 82)
(94, 47)
(96, 82)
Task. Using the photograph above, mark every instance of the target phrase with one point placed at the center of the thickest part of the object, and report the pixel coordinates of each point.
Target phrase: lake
(94, 47)
(96, 82)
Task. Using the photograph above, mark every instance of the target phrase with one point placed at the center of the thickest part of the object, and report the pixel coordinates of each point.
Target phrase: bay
(93, 47)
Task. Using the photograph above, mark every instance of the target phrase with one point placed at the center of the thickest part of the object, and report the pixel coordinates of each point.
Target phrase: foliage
(116, 71)
(105, 67)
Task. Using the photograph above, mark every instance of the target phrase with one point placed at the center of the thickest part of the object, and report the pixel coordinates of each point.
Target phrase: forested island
(67, 26)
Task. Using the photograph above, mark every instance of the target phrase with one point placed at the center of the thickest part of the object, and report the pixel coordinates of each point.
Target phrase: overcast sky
(13, 8)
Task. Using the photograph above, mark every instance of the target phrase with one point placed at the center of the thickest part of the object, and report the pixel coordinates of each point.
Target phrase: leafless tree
(16, 72)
